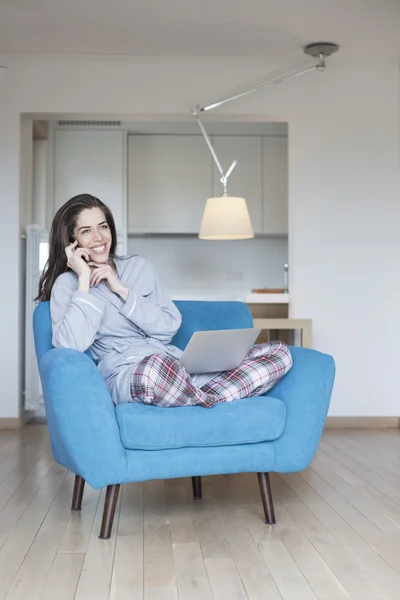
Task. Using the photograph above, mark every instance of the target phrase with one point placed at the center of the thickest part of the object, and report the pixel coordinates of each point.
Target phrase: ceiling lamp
(227, 217)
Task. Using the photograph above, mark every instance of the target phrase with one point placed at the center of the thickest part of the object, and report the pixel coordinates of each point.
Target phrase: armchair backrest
(201, 315)
(197, 315)
(42, 329)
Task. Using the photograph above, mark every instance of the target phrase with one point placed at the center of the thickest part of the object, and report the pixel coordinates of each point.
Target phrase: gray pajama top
(118, 333)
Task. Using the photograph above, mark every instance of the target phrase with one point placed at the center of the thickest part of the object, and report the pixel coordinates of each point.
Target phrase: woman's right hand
(76, 260)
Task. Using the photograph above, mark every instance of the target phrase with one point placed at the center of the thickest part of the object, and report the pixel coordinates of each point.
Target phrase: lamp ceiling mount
(317, 48)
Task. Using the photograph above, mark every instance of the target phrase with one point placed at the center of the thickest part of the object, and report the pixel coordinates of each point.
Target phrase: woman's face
(92, 232)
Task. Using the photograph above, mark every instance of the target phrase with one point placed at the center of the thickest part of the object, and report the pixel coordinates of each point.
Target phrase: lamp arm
(320, 66)
(224, 176)
(229, 171)
(318, 50)
(208, 142)
(195, 112)
(256, 88)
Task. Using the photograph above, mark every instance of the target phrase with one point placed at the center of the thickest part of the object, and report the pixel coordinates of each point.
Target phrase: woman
(116, 307)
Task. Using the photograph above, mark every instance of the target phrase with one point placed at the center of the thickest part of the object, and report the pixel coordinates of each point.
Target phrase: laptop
(219, 350)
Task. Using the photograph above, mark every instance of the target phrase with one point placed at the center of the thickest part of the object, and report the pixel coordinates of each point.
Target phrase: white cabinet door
(169, 180)
(91, 162)
(246, 178)
(275, 185)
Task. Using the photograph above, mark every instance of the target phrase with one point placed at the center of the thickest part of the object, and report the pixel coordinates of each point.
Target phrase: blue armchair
(106, 445)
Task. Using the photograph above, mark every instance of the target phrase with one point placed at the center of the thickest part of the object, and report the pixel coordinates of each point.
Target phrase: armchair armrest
(81, 418)
(306, 391)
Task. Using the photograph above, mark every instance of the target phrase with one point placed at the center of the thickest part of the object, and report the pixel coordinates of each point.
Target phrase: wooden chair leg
(266, 496)
(196, 485)
(78, 493)
(110, 504)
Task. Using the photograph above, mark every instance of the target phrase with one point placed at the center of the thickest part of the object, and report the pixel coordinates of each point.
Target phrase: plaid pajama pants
(162, 380)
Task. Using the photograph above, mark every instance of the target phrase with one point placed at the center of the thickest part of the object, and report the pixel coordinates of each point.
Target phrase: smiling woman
(95, 236)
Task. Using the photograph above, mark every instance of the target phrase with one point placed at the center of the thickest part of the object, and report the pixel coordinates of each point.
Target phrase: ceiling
(270, 28)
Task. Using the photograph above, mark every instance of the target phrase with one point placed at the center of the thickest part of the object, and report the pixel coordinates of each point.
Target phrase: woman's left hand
(104, 272)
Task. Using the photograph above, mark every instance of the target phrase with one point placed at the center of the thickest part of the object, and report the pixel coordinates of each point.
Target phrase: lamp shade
(226, 218)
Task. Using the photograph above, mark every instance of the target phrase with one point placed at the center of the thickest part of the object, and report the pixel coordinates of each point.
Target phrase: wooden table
(304, 325)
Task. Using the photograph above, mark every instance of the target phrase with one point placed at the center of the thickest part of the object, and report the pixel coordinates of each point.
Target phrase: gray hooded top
(118, 333)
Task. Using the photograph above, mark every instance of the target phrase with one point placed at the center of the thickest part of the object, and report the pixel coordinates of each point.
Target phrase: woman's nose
(97, 236)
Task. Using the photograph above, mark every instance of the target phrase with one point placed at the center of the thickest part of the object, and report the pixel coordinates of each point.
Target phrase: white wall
(344, 192)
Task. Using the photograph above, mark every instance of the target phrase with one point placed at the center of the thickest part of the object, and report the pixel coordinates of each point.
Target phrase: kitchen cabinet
(246, 178)
(92, 162)
(169, 180)
(171, 176)
(275, 185)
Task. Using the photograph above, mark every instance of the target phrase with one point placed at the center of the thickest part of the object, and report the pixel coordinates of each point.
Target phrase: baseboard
(10, 423)
(363, 422)
(331, 422)
(16, 422)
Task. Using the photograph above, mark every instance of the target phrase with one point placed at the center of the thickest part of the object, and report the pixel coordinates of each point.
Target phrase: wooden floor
(337, 534)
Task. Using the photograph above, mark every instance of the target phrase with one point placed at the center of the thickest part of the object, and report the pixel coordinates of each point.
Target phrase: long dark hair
(61, 235)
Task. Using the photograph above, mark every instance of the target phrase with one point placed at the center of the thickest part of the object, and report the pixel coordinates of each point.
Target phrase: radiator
(36, 257)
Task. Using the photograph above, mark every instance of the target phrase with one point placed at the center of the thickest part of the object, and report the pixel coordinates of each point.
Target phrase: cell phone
(85, 258)
(72, 240)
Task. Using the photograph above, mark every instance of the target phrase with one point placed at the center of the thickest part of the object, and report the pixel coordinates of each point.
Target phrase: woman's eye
(85, 231)
(104, 226)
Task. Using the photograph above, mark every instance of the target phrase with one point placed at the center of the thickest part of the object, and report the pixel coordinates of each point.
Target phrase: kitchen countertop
(267, 298)
(210, 295)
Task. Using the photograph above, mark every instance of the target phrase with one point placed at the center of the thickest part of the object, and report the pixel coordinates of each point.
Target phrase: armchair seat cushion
(247, 421)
